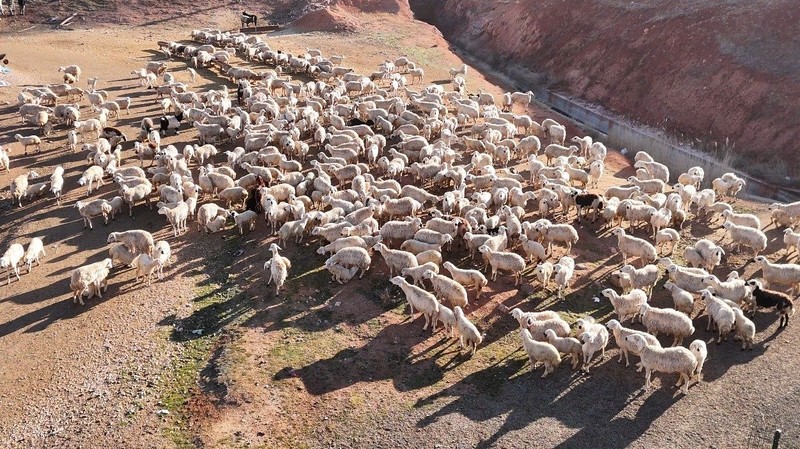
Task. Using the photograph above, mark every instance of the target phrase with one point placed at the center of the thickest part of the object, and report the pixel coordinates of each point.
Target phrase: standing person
(21, 4)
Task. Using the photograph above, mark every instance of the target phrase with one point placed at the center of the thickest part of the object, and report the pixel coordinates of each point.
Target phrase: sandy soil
(322, 365)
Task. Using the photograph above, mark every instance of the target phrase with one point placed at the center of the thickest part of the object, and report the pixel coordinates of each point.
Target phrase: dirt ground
(323, 365)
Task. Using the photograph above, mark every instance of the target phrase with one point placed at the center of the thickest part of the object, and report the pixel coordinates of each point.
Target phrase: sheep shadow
(507, 389)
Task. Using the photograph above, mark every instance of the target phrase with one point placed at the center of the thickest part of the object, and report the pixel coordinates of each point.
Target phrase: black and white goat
(247, 19)
(587, 201)
(768, 299)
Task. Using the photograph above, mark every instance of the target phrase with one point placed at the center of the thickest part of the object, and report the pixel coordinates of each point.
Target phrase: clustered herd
(381, 149)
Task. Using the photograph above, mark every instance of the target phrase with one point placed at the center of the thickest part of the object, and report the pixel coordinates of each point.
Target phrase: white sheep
(564, 233)
(246, 219)
(700, 351)
(543, 272)
(620, 332)
(683, 300)
(467, 277)
(396, 260)
(566, 345)
(136, 240)
(90, 175)
(358, 257)
(145, 267)
(666, 360)
(278, 267)
(787, 274)
(626, 306)
(666, 321)
(417, 272)
(11, 259)
(734, 289)
(745, 328)
(644, 278)
(34, 252)
(634, 246)
(747, 236)
(446, 289)
(177, 217)
(719, 313)
(563, 272)
(540, 352)
(506, 261)
(93, 208)
(748, 220)
(92, 276)
(791, 240)
(420, 300)
(120, 253)
(469, 335)
(667, 235)
(27, 141)
(534, 250)
(293, 229)
(705, 254)
(340, 273)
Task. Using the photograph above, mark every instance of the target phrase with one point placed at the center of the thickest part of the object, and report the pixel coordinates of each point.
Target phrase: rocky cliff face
(710, 71)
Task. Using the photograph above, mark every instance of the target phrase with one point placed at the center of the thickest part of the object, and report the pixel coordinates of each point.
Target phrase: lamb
(625, 347)
(279, 267)
(421, 300)
(749, 237)
(634, 246)
(667, 235)
(761, 297)
(396, 259)
(177, 217)
(11, 259)
(447, 290)
(683, 300)
(468, 332)
(4, 160)
(27, 141)
(643, 278)
(506, 261)
(780, 273)
(748, 220)
(626, 306)
(419, 271)
(666, 321)
(233, 195)
(208, 212)
(543, 272)
(91, 175)
(660, 219)
(566, 345)
(145, 267)
(698, 348)
(540, 352)
(294, 229)
(246, 219)
(340, 273)
(720, 313)
(466, 277)
(135, 240)
(94, 276)
(120, 253)
(666, 360)
(734, 290)
(745, 328)
(93, 209)
(34, 252)
(535, 251)
(791, 239)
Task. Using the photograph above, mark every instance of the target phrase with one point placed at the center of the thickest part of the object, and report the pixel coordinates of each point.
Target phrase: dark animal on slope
(173, 122)
(247, 19)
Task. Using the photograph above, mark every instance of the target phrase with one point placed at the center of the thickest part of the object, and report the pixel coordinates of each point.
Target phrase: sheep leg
(647, 374)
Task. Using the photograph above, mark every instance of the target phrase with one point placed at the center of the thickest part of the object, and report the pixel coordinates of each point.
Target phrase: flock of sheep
(381, 147)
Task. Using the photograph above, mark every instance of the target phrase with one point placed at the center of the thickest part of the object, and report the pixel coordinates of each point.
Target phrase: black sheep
(768, 299)
(168, 122)
(591, 201)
